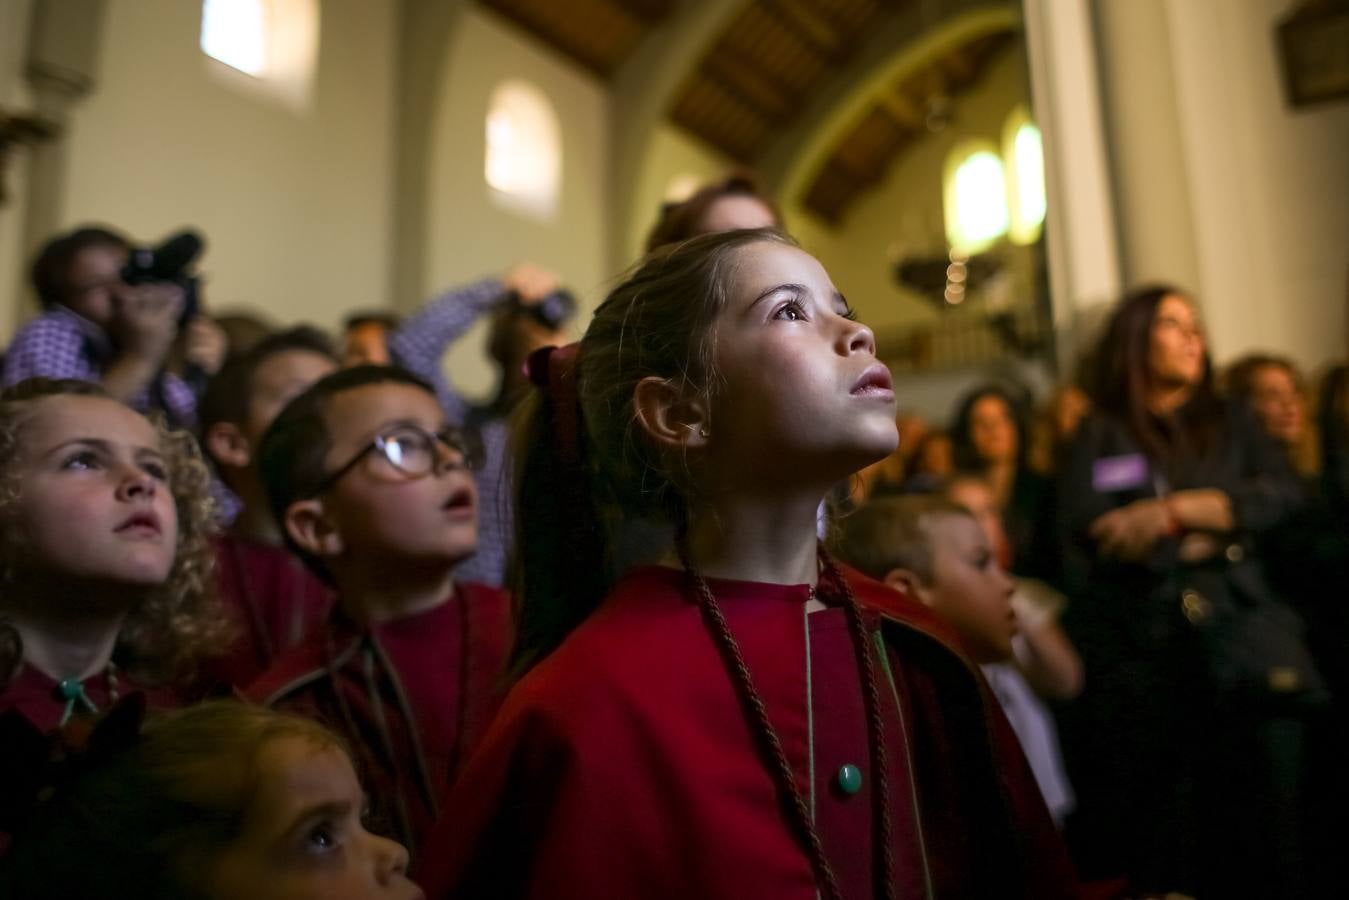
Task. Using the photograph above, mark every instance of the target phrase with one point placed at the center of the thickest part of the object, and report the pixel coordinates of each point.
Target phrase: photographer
(96, 327)
(528, 312)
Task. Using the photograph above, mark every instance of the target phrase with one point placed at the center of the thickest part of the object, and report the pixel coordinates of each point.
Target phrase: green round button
(849, 779)
(70, 688)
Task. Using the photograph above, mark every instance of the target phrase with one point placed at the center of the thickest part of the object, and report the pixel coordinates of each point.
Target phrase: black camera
(170, 261)
(553, 311)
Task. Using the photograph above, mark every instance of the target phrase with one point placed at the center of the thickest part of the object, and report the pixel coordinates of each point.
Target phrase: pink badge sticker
(1119, 473)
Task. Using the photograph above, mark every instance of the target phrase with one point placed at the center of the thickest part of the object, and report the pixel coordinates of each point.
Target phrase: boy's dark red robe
(275, 602)
(624, 764)
(411, 696)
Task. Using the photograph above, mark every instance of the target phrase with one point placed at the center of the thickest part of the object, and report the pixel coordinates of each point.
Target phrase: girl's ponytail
(561, 560)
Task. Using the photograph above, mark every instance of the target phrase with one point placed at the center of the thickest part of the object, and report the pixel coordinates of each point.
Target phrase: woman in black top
(1185, 746)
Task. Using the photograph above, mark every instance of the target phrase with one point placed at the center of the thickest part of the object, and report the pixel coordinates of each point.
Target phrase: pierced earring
(703, 432)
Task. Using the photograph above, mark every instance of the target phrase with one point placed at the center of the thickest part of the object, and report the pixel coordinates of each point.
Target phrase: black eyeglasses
(410, 449)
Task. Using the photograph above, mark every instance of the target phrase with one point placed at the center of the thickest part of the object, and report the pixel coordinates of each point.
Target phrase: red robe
(274, 600)
(412, 697)
(623, 765)
(36, 695)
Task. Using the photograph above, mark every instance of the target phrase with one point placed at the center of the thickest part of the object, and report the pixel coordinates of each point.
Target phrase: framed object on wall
(1314, 50)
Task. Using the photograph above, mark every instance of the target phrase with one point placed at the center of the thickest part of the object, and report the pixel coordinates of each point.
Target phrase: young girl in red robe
(105, 561)
(746, 718)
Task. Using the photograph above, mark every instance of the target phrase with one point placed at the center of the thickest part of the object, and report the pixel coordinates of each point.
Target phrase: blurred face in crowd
(1280, 405)
(736, 211)
(366, 344)
(515, 335)
(94, 281)
(1069, 408)
(975, 495)
(936, 456)
(913, 428)
(1176, 346)
(279, 379)
(992, 431)
(969, 588)
(303, 837)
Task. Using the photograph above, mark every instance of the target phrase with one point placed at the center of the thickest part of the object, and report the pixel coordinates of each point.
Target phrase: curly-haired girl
(105, 565)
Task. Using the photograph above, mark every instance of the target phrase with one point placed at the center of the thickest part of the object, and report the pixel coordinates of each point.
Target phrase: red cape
(623, 765)
(274, 601)
(411, 697)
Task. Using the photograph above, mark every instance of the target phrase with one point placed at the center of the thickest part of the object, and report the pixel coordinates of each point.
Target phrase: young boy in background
(274, 599)
(373, 490)
(936, 550)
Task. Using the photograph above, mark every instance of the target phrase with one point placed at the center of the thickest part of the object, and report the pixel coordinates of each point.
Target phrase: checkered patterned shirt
(418, 345)
(61, 344)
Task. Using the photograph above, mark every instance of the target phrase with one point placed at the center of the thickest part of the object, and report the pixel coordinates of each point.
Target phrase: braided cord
(781, 767)
(885, 850)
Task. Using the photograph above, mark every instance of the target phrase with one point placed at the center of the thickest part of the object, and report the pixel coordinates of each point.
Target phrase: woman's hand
(531, 283)
(1202, 509)
(205, 345)
(1131, 532)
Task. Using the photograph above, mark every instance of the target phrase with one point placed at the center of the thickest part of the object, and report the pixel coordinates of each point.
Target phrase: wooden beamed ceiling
(894, 119)
(598, 34)
(760, 73)
(761, 70)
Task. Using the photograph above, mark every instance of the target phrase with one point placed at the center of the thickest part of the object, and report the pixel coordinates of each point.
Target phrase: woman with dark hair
(989, 437)
(1274, 389)
(1186, 743)
(737, 201)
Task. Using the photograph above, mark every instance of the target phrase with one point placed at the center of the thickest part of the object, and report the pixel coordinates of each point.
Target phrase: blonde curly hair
(178, 622)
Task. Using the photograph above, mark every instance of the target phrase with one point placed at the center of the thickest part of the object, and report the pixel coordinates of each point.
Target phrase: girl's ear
(906, 582)
(309, 526)
(227, 445)
(669, 417)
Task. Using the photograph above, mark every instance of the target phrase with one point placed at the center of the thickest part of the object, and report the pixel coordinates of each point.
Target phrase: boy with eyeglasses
(373, 490)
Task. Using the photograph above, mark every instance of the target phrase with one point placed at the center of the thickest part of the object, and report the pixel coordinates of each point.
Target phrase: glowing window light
(235, 33)
(682, 187)
(975, 200)
(523, 162)
(1024, 151)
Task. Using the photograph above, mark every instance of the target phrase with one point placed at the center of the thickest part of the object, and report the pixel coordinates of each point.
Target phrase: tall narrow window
(1024, 152)
(975, 197)
(274, 41)
(235, 32)
(523, 162)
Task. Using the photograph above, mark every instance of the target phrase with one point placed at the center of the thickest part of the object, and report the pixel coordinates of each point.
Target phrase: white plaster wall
(295, 205)
(470, 235)
(14, 96)
(1269, 186)
(1222, 187)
